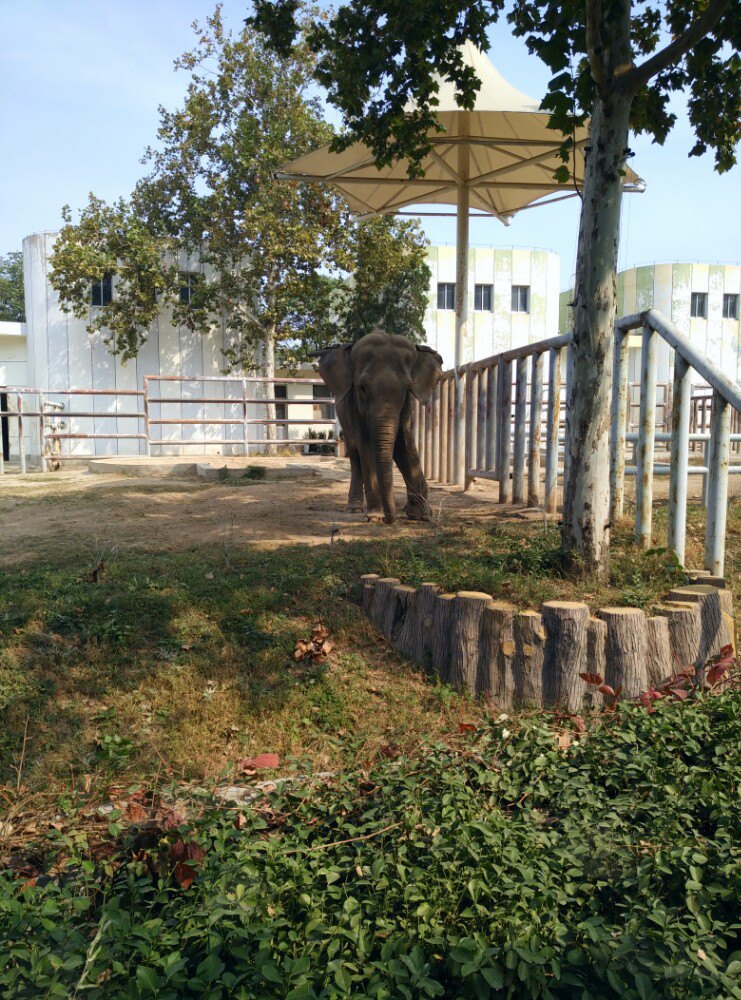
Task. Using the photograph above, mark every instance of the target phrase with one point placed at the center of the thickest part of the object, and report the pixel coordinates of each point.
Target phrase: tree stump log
(596, 662)
(627, 650)
(422, 638)
(467, 611)
(367, 583)
(684, 633)
(382, 595)
(714, 629)
(565, 654)
(527, 666)
(442, 614)
(659, 663)
(400, 608)
(405, 638)
(497, 650)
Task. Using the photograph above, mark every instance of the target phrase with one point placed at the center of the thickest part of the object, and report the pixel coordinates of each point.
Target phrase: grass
(181, 662)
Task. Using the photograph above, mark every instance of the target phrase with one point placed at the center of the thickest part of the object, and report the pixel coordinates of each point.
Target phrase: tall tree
(210, 194)
(389, 283)
(12, 305)
(616, 62)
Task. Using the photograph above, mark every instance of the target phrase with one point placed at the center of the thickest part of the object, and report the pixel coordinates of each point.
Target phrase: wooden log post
(596, 660)
(442, 611)
(422, 622)
(382, 594)
(659, 664)
(405, 638)
(467, 611)
(496, 653)
(684, 633)
(396, 616)
(627, 650)
(527, 666)
(367, 584)
(716, 616)
(565, 654)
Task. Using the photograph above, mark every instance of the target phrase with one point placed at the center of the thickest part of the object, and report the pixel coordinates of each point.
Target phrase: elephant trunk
(384, 439)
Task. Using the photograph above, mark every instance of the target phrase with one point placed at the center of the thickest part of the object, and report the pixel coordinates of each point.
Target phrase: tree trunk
(586, 528)
(268, 370)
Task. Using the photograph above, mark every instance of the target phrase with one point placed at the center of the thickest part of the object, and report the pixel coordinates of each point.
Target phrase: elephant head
(373, 381)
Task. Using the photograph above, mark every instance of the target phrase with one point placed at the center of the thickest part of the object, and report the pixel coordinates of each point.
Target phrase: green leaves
(616, 874)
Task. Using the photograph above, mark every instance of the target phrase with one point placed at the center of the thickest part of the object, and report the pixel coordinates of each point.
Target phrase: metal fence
(514, 415)
(146, 410)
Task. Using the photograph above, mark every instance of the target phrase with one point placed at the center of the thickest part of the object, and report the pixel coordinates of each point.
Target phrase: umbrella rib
(522, 161)
(417, 198)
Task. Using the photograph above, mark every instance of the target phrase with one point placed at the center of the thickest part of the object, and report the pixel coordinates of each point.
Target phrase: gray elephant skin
(374, 382)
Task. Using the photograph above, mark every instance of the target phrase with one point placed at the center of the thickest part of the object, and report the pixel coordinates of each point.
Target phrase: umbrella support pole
(461, 334)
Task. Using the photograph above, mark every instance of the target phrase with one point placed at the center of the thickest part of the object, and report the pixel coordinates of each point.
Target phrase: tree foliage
(389, 285)
(12, 304)
(373, 58)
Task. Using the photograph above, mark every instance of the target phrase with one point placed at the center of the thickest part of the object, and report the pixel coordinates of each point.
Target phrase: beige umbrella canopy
(502, 152)
(498, 158)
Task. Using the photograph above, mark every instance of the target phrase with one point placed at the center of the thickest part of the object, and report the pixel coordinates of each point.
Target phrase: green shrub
(508, 867)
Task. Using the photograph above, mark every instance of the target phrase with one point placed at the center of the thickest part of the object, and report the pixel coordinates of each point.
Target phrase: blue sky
(81, 81)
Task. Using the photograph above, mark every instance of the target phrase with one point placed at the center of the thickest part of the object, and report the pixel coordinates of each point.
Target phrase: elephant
(373, 382)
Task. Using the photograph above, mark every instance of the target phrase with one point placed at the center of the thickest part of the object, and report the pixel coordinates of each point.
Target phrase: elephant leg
(374, 506)
(355, 499)
(407, 459)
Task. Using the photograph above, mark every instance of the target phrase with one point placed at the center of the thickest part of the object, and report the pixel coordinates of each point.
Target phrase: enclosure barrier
(530, 658)
(515, 412)
(145, 407)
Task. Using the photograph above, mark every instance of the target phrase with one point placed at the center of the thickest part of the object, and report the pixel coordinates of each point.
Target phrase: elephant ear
(334, 367)
(426, 373)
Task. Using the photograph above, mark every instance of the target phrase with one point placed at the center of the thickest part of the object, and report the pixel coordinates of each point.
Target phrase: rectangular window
(188, 282)
(281, 411)
(445, 295)
(730, 307)
(101, 291)
(521, 298)
(699, 305)
(323, 410)
(482, 297)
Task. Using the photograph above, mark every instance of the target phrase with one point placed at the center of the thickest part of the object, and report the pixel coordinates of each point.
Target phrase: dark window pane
(445, 295)
(281, 391)
(482, 295)
(521, 298)
(101, 291)
(699, 305)
(321, 392)
(730, 307)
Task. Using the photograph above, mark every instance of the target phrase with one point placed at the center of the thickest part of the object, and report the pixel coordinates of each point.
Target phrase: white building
(513, 299)
(702, 300)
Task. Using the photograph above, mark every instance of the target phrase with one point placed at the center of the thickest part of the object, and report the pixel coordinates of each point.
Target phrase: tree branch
(594, 45)
(635, 78)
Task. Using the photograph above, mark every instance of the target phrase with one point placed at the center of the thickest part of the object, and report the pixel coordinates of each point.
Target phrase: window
(188, 283)
(323, 410)
(730, 307)
(445, 295)
(281, 411)
(482, 296)
(101, 292)
(699, 305)
(521, 298)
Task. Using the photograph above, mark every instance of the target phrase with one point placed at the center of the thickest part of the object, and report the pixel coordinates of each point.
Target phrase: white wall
(490, 332)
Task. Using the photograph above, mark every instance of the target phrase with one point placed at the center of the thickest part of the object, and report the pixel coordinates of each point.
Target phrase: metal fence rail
(514, 414)
(145, 407)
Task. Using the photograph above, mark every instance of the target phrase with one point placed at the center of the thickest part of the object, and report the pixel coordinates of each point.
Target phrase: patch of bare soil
(39, 513)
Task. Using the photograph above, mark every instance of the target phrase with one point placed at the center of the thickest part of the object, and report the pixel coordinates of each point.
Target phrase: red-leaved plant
(677, 686)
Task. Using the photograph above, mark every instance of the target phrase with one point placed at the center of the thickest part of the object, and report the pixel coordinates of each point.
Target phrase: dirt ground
(169, 513)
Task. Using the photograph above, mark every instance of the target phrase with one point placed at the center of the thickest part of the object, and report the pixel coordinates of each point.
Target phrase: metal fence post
(619, 424)
(646, 432)
(717, 508)
(491, 417)
(553, 419)
(505, 431)
(679, 456)
(518, 464)
(21, 442)
(536, 406)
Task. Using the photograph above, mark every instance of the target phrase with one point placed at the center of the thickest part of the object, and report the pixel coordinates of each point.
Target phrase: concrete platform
(214, 468)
